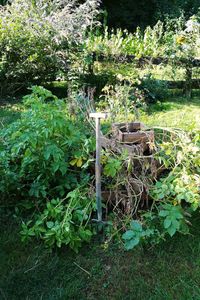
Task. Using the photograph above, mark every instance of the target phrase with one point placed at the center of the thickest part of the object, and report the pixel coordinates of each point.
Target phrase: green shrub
(44, 163)
(154, 89)
(45, 152)
(63, 222)
(26, 47)
(35, 38)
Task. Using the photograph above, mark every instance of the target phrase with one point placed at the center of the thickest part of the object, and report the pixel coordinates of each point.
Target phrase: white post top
(99, 115)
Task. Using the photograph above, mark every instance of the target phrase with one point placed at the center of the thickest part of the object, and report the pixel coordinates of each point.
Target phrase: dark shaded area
(32, 272)
(145, 60)
(131, 13)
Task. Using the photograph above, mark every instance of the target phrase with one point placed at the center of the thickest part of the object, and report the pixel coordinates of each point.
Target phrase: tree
(130, 14)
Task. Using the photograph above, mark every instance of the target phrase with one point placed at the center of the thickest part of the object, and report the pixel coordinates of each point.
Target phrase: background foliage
(37, 40)
(130, 14)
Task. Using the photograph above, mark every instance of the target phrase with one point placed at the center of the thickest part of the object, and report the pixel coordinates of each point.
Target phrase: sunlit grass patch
(179, 114)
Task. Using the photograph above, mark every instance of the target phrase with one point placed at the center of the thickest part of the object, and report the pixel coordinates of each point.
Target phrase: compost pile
(128, 191)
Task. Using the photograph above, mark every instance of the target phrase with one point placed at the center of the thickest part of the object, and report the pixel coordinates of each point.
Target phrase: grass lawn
(168, 271)
(178, 113)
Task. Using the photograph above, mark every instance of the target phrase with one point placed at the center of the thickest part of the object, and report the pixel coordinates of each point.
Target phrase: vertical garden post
(188, 82)
(98, 116)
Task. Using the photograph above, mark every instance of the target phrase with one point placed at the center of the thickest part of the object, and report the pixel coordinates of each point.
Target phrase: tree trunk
(188, 83)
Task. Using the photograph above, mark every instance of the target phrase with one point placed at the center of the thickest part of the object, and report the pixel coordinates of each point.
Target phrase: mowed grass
(168, 271)
(177, 113)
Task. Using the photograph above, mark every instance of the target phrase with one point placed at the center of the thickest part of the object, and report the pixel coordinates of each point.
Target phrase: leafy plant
(181, 185)
(172, 218)
(122, 100)
(112, 167)
(38, 41)
(63, 222)
(135, 235)
(39, 149)
(44, 171)
(160, 40)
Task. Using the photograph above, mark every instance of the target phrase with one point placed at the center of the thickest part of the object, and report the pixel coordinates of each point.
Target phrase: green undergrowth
(9, 113)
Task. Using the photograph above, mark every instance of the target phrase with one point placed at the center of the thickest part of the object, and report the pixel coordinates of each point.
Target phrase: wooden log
(131, 126)
(188, 83)
(116, 146)
(195, 62)
(135, 137)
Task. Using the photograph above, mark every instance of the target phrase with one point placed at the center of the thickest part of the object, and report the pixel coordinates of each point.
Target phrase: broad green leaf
(130, 244)
(176, 223)
(167, 223)
(171, 230)
(135, 225)
(163, 213)
(55, 167)
(129, 234)
(85, 234)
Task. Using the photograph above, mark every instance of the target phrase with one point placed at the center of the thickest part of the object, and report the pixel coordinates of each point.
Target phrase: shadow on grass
(168, 271)
(174, 102)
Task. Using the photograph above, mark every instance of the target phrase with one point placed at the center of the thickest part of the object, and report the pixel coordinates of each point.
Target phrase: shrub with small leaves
(40, 39)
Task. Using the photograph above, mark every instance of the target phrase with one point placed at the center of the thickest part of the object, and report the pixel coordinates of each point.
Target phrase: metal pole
(98, 171)
(98, 116)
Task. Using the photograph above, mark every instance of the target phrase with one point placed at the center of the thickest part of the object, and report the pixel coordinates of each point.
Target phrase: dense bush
(26, 47)
(35, 38)
(154, 89)
(43, 167)
(42, 150)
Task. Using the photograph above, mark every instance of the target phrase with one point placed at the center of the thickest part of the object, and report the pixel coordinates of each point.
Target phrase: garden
(112, 214)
